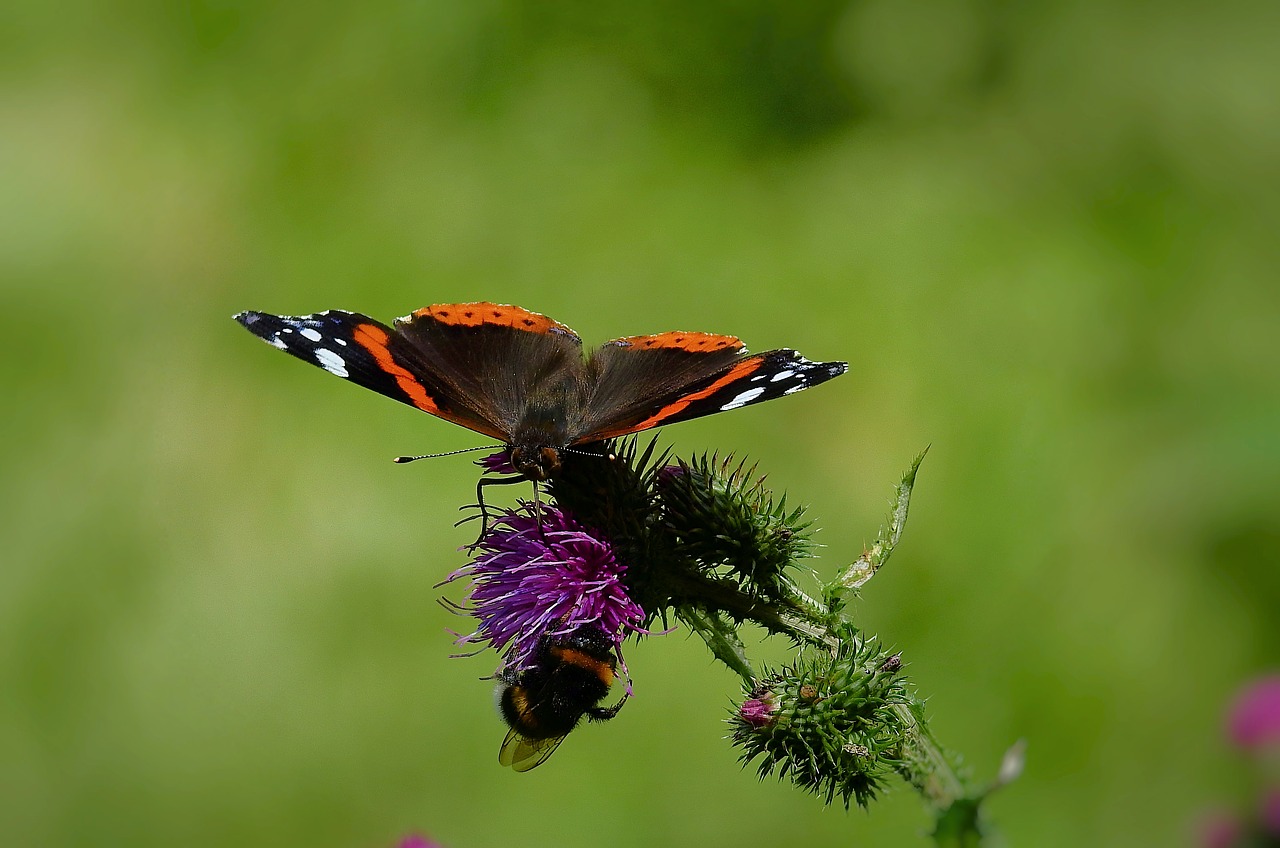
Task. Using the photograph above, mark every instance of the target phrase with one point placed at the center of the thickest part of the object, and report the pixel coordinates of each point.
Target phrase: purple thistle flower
(497, 463)
(1253, 720)
(532, 581)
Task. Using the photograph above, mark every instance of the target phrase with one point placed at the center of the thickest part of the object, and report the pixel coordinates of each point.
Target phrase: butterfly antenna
(403, 459)
(608, 454)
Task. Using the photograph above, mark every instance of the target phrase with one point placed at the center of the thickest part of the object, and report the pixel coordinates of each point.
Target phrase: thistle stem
(926, 766)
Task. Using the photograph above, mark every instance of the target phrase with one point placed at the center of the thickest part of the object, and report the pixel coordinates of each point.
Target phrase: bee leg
(606, 713)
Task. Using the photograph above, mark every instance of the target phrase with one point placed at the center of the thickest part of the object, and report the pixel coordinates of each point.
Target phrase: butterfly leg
(484, 510)
(537, 510)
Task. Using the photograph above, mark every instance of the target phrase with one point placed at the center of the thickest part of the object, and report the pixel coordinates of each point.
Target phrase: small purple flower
(1269, 812)
(497, 463)
(417, 841)
(534, 579)
(1253, 719)
(670, 473)
(1219, 830)
(759, 712)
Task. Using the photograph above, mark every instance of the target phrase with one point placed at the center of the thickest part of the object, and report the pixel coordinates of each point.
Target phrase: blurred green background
(1044, 235)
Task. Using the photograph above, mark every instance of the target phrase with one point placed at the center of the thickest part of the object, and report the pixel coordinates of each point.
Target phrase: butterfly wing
(357, 348)
(522, 753)
(501, 357)
(647, 381)
(465, 363)
(487, 366)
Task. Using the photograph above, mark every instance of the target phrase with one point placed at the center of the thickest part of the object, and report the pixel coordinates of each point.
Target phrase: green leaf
(866, 566)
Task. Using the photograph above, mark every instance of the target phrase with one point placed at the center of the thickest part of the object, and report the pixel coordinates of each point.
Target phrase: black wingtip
(263, 325)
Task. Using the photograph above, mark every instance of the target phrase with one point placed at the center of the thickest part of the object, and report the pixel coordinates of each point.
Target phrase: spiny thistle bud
(832, 728)
(722, 516)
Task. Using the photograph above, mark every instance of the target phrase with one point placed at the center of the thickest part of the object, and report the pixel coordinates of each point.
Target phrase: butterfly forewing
(357, 348)
(685, 376)
(501, 358)
(632, 378)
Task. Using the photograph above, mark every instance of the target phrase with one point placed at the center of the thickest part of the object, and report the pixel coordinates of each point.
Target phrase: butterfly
(521, 378)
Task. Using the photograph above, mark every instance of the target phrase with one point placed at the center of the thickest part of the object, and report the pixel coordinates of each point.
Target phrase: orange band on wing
(692, 342)
(475, 314)
(374, 339)
(734, 374)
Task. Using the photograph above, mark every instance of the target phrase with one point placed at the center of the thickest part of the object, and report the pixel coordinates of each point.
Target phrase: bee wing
(522, 753)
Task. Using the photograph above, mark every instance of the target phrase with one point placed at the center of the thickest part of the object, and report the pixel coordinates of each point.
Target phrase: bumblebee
(569, 676)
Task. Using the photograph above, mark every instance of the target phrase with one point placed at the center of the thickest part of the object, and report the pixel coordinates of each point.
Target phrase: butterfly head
(535, 461)
(538, 439)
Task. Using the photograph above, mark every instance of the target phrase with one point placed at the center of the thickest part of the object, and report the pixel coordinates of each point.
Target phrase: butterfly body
(520, 377)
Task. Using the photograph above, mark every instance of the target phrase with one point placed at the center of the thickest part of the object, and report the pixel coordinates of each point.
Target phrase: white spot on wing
(276, 341)
(331, 362)
(308, 333)
(784, 374)
(743, 399)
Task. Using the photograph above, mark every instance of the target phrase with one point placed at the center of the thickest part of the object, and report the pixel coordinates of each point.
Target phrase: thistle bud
(832, 728)
(721, 516)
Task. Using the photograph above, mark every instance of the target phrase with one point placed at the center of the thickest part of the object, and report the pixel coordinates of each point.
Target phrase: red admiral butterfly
(520, 377)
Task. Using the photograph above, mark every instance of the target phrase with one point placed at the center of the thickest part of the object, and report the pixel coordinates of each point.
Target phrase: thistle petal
(534, 578)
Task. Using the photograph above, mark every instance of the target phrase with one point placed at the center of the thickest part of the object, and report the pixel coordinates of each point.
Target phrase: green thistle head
(721, 516)
(827, 722)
